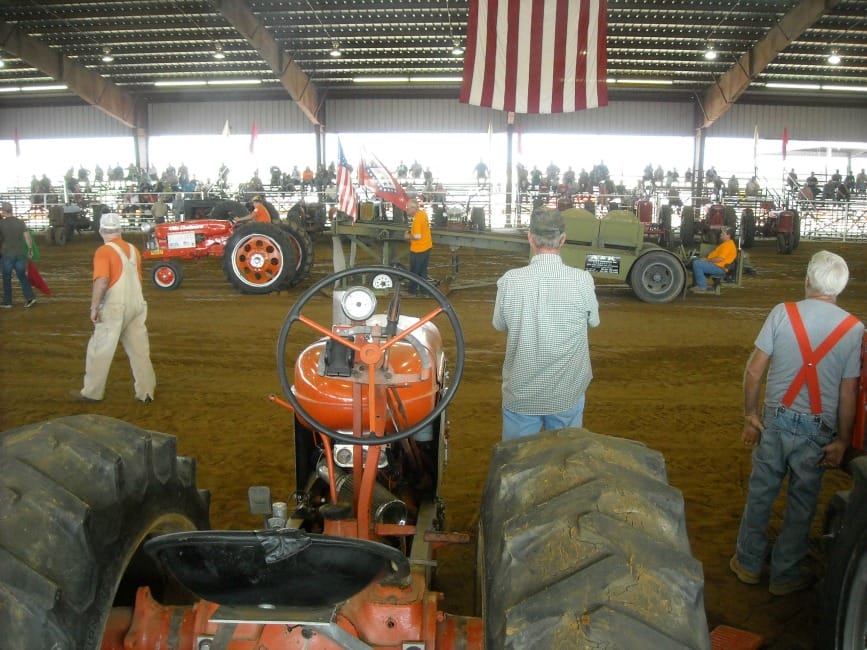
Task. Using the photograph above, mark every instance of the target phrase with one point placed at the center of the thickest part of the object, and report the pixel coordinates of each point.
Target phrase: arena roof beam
(293, 78)
(722, 95)
(91, 87)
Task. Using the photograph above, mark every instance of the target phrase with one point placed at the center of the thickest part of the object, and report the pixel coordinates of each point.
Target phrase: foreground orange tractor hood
(329, 399)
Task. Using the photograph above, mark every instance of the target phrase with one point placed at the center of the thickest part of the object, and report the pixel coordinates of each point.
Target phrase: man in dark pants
(13, 235)
(420, 243)
(810, 351)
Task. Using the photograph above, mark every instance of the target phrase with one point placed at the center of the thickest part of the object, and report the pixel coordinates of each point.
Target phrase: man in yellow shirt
(716, 261)
(420, 243)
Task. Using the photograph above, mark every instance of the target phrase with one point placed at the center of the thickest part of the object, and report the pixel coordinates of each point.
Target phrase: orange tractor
(257, 257)
(581, 543)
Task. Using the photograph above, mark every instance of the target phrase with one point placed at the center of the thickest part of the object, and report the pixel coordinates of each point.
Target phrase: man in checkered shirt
(546, 308)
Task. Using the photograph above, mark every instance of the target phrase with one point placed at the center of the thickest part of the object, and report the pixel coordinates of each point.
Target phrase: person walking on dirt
(811, 353)
(715, 263)
(16, 249)
(118, 312)
(420, 243)
(546, 309)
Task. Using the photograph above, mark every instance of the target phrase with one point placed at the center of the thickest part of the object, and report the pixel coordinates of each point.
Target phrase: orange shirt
(727, 251)
(107, 263)
(260, 213)
(420, 226)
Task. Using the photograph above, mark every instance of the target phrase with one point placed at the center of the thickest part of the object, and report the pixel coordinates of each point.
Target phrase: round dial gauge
(382, 281)
(358, 303)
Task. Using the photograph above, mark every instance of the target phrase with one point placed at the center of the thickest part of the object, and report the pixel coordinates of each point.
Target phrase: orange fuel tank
(329, 399)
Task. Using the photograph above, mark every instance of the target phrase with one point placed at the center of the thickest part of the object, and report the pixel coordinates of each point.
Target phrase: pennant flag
(347, 199)
(254, 132)
(373, 174)
(536, 56)
(785, 140)
(17, 143)
(227, 130)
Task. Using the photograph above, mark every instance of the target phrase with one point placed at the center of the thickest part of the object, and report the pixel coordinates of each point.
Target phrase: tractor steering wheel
(371, 352)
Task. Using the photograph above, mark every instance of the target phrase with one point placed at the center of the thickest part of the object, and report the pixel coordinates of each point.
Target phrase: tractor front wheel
(82, 495)
(748, 227)
(687, 227)
(167, 275)
(585, 545)
(657, 277)
(784, 243)
(259, 258)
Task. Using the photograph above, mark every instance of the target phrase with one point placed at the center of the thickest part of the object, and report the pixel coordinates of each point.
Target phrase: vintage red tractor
(104, 542)
(707, 227)
(257, 257)
(784, 225)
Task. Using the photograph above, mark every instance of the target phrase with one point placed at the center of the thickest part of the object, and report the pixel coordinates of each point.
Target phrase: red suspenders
(808, 374)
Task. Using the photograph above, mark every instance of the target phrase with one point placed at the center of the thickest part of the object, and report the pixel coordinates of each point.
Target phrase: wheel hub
(257, 261)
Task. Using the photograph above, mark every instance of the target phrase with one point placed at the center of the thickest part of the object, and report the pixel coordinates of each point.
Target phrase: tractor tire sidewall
(272, 211)
(60, 236)
(645, 270)
(796, 231)
(578, 526)
(95, 489)
(228, 210)
(687, 227)
(176, 272)
(748, 227)
(304, 250)
(275, 235)
(845, 549)
(784, 243)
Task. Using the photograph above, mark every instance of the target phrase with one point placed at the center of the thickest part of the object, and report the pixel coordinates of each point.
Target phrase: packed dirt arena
(668, 375)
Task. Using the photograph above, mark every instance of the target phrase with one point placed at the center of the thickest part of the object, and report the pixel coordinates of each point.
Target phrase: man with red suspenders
(811, 352)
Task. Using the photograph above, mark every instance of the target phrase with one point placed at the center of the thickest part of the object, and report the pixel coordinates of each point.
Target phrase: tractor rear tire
(304, 250)
(730, 217)
(259, 258)
(657, 277)
(843, 590)
(687, 227)
(585, 545)
(272, 211)
(228, 210)
(796, 231)
(665, 226)
(81, 495)
(167, 275)
(748, 227)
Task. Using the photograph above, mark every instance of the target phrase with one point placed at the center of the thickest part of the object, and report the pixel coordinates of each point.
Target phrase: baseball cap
(546, 222)
(110, 222)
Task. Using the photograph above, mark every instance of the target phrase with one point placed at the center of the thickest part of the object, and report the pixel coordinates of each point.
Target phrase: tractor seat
(279, 568)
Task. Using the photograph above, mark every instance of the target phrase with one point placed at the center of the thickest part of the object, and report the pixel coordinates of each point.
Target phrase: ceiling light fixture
(458, 49)
(710, 53)
(380, 80)
(2, 63)
(218, 52)
(834, 58)
(438, 80)
(335, 50)
(106, 55)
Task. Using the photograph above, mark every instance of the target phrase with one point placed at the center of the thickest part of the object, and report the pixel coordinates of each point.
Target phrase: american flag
(536, 56)
(347, 199)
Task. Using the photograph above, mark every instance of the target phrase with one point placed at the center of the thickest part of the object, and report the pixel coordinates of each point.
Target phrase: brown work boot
(742, 574)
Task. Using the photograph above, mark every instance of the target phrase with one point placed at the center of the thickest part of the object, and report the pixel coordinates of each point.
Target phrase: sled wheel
(228, 210)
(657, 277)
(304, 250)
(586, 546)
(81, 496)
(259, 258)
(167, 275)
(748, 227)
(843, 590)
(687, 227)
(372, 351)
(784, 243)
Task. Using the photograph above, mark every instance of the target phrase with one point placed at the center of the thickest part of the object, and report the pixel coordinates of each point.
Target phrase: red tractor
(781, 224)
(257, 257)
(582, 542)
(716, 217)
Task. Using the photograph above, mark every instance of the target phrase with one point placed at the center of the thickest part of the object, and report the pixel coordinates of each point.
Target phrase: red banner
(373, 174)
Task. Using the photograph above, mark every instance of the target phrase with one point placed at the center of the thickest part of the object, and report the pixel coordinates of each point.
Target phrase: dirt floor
(667, 375)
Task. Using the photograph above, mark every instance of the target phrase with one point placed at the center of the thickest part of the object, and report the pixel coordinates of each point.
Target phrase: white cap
(110, 222)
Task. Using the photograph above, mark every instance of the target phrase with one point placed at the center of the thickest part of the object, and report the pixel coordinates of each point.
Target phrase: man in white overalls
(118, 312)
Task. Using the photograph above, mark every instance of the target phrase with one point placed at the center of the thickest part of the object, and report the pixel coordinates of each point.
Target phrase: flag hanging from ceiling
(17, 143)
(254, 132)
(536, 56)
(373, 174)
(347, 199)
(227, 130)
(785, 140)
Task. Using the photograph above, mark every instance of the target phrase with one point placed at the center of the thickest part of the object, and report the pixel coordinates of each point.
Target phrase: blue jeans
(701, 268)
(19, 264)
(517, 425)
(791, 443)
(418, 266)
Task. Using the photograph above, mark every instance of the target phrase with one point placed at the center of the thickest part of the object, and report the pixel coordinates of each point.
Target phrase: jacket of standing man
(118, 312)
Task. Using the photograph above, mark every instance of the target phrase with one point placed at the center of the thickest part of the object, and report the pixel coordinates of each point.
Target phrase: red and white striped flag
(347, 199)
(375, 175)
(536, 56)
